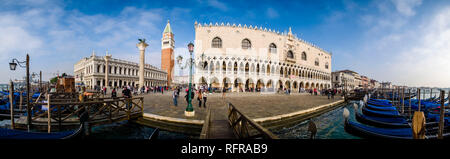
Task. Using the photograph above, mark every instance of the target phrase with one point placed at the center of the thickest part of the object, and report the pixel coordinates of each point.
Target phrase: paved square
(254, 105)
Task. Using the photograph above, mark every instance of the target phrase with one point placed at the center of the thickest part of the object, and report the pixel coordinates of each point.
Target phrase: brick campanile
(167, 48)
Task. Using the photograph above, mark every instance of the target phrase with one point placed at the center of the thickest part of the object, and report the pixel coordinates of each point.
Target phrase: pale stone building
(91, 71)
(343, 80)
(386, 85)
(250, 57)
(180, 80)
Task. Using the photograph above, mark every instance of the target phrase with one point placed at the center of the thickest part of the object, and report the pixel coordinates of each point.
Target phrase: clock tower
(167, 48)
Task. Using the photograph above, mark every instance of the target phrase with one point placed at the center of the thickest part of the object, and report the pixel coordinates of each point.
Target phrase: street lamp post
(189, 109)
(12, 66)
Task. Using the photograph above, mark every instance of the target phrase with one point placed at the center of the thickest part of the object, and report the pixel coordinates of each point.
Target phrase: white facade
(243, 58)
(91, 71)
(343, 80)
(181, 80)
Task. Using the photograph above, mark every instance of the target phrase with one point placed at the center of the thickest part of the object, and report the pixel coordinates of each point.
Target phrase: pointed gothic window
(272, 48)
(304, 56)
(290, 54)
(316, 62)
(216, 43)
(246, 44)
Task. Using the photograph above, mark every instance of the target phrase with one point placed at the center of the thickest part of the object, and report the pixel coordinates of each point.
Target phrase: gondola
(19, 134)
(377, 132)
(373, 107)
(375, 113)
(379, 104)
(369, 131)
(382, 122)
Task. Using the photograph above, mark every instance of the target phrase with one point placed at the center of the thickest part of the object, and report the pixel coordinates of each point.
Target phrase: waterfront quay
(272, 111)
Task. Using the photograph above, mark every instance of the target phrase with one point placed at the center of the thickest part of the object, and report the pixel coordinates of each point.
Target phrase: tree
(55, 79)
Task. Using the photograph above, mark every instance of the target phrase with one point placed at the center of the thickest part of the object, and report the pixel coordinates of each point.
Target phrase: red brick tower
(167, 47)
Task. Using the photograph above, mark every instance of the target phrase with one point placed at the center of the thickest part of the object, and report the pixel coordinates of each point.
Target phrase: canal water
(130, 130)
(330, 125)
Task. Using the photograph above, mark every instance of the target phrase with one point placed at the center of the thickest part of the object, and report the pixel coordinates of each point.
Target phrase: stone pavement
(254, 105)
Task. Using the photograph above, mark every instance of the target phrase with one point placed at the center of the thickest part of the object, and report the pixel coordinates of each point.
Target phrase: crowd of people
(199, 93)
(202, 95)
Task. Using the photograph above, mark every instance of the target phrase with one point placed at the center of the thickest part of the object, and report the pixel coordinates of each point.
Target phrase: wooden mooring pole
(418, 90)
(11, 102)
(409, 92)
(441, 116)
(403, 100)
(20, 100)
(49, 114)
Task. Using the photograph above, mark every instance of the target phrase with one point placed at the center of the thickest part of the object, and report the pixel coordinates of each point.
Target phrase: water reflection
(330, 125)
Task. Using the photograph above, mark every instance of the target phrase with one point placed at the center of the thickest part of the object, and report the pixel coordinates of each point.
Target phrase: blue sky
(403, 41)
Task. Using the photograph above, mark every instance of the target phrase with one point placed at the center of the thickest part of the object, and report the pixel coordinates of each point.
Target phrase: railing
(100, 109)
(244, 127)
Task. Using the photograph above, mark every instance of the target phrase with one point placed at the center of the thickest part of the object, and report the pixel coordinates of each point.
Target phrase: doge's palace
(248, 58)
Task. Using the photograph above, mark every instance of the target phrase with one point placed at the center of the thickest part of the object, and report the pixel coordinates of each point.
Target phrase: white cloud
(55, 36)
(217, 4)
(406, 7)
(417, 55)
(428, 63)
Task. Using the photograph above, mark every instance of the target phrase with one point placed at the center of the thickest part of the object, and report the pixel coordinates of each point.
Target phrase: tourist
(127, 94)
(223, 92)
(114, 93)
(175, 97)
(199, 97)
(315, 91)
(205, 97)
(328, 93)
(187, 95)
(333, 93)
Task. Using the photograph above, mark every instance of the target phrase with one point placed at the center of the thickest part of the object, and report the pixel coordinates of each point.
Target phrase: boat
(383, 132)
(369, 131)
(373, 107)
(20, 134)
(376, 113)
(396, 122)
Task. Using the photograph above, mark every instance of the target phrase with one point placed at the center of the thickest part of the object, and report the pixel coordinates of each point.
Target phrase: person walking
(199, 97)
(127, 94)
(205, 97)
(114, 93)
(333, 92)
(175, 97)
(328, 93)
(187, 95)
(223, 92)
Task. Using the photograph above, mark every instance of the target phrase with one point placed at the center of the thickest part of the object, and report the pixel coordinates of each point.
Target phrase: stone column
(141, 45)
(107, 58)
